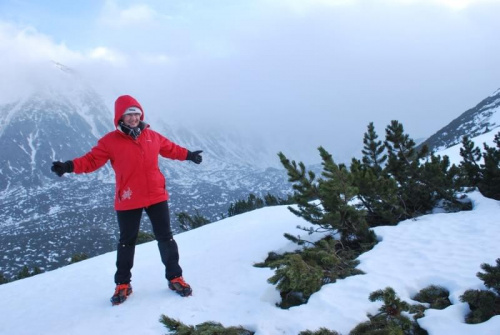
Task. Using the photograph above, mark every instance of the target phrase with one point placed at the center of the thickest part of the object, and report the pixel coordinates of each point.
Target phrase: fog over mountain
(45, 219)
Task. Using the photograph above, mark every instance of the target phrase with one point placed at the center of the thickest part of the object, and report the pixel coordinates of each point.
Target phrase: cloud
(301, 7)
(452, 4)
(24, 52)
(156, 58)
(134, 16)
(302, 73)
(26, 43)
(114, 57)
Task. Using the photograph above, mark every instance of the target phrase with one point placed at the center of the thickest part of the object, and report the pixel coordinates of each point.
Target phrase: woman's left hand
(195, 156)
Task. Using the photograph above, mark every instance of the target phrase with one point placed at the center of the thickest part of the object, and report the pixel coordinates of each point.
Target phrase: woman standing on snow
(133, 150)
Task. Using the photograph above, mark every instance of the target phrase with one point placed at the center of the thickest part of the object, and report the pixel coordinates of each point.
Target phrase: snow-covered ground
(441, 249)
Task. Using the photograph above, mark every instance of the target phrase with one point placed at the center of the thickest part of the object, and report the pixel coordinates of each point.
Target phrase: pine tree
(25, 272)
(491, 276)
(243, 206)
(377, 191)
(305, 190)
(390, 320)
(470, 169)
(303, 181)
(3, 279)
(144, 237)
(378, 194)
(489, 185)
(188, 222)
(484, 304)
(439, 181)
(373, 151)
(402, 155)
(485, 176)
(416, 193)
(409, 184)
(78, 257)
(270, 200)
(334, 191)
(254, 202)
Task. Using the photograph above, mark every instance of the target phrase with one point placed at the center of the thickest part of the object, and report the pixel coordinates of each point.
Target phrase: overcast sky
(271, 68)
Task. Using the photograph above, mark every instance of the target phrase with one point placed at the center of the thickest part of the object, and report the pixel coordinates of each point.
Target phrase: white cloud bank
(322, 69)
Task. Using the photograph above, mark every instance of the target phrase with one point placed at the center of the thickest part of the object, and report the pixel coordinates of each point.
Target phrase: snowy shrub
(188, 222)
(3, 279)
(300, 274)
(390, 319)
(491, 277)
(178, 328)
(321, 331)
(255, 202)
(296, 279)
(78, 257)
(144, 237)
(484, 304)
(436, 296)
(25, 272)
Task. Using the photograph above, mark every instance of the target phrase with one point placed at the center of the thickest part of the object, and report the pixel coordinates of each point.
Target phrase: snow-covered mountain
(64, 118)
(48, 124)
(45, 219)
(476, 121)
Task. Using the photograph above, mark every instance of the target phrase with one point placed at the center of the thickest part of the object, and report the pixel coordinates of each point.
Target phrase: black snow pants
(129, 222)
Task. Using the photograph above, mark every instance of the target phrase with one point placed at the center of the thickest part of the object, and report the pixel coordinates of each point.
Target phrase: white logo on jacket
(127, 194)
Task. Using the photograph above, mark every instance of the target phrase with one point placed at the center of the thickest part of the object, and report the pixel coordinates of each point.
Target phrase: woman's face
(131, 120)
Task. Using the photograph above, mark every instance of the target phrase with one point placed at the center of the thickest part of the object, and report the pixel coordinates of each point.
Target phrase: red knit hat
(122, 104)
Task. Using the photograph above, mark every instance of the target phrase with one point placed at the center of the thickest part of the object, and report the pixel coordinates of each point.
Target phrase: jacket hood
(122, 103)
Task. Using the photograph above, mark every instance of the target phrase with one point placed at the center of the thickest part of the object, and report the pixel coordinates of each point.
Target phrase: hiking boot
(180, 287)
(122, 291)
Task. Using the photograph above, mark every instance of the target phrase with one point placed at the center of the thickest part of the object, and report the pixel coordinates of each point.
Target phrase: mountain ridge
(482, 118)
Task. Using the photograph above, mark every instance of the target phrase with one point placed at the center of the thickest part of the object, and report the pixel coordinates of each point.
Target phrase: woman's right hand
(60, 168)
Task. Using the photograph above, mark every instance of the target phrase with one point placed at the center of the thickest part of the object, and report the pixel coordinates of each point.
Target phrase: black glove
(60, 168)
(195, 156)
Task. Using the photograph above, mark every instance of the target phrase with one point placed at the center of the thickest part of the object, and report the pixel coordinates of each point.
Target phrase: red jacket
(139, 181)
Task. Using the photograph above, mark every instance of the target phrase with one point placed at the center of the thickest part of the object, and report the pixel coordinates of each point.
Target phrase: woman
(133, 150)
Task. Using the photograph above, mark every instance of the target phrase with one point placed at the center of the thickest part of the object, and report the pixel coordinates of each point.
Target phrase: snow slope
(454, 152)
(443, 249)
